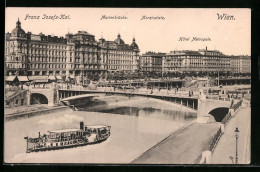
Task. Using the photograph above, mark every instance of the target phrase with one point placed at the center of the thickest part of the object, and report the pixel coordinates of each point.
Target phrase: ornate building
(118, 56)
(76, 56)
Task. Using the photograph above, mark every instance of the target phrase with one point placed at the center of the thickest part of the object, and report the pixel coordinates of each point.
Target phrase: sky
(232, 37)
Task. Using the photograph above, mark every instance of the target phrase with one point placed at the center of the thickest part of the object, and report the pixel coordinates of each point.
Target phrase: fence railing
(237, 105)
(14, 95)
(215, 140)
(228, 116)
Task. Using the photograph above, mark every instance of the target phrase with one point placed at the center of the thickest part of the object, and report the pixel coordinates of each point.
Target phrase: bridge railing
(40, 88)
(134, 91)
(222, 98)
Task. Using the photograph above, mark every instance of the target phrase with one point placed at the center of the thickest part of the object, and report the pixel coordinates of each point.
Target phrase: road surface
(226, 147)
(184, 147)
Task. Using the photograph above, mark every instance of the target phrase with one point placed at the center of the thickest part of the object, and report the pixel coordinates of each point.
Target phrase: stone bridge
(43, 96)
(217, 108)
(203, 106)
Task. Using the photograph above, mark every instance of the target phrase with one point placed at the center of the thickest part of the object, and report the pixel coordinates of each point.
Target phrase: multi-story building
(75, 56)
(118, 56)
(152, 62)
(241, 64)
(196, 61)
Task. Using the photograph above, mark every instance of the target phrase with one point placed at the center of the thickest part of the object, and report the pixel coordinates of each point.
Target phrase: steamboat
(67, 138)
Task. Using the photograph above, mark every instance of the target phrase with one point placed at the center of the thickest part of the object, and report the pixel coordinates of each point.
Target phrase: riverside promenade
(182, 147)
(225, 150)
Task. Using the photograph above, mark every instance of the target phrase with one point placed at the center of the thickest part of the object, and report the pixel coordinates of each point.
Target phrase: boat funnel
(81, 125)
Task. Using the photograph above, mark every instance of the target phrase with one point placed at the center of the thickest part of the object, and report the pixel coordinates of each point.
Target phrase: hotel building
(196, 61)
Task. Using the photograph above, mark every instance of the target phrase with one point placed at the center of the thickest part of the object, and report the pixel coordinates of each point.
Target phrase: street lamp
(236, 135)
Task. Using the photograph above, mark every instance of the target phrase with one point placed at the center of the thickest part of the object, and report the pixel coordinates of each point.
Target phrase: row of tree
(156, 75)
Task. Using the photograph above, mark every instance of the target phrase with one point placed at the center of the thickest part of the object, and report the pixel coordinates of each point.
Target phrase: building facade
(196, 61)
(77, 56)
(241, 64)
(152, 62)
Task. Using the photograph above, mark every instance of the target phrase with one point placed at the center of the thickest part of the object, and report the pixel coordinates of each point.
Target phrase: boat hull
(49, 148)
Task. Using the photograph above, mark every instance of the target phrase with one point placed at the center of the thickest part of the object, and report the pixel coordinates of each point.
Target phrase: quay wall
(23, 115)
(186, 144)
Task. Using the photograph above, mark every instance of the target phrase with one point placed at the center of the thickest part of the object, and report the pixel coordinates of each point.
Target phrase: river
(136, 125)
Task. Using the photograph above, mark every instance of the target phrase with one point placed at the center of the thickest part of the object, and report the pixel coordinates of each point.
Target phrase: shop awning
(23, 78)
(10, 78)
(38, 78)
(52, 77)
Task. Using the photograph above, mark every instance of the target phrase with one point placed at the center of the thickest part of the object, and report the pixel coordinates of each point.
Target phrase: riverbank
(22, 112)
(182, 147)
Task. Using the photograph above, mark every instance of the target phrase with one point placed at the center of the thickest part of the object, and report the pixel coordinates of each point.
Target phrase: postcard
(127, 86)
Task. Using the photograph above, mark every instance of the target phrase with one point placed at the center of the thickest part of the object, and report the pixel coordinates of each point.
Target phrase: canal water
(137, 124)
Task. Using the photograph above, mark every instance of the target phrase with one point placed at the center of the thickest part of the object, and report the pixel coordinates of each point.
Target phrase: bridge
(198, 101)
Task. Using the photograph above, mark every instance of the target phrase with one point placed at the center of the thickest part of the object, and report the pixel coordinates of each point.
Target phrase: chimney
(39, 134)
(81, 125)
(206, 48)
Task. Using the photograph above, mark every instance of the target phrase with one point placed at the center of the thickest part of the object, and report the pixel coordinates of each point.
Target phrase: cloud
(65, 119)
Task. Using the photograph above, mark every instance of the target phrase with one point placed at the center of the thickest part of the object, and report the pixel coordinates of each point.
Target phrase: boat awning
(71, 76)
(38, 78)
(52, 77)
(10, 78)
(59, 77)
(23, 78)
(65, 130)
(96, 126)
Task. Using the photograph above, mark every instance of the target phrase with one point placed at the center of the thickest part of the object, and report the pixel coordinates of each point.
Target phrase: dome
(18, 31)
(134, 45)
(119, 40)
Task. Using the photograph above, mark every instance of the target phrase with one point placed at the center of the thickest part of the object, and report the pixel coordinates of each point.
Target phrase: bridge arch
(219, 113)
(38, 98)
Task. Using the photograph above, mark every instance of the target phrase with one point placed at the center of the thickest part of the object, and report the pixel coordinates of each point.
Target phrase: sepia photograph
(127, 86)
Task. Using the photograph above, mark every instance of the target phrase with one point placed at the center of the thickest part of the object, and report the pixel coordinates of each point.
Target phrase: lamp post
(236, 135)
